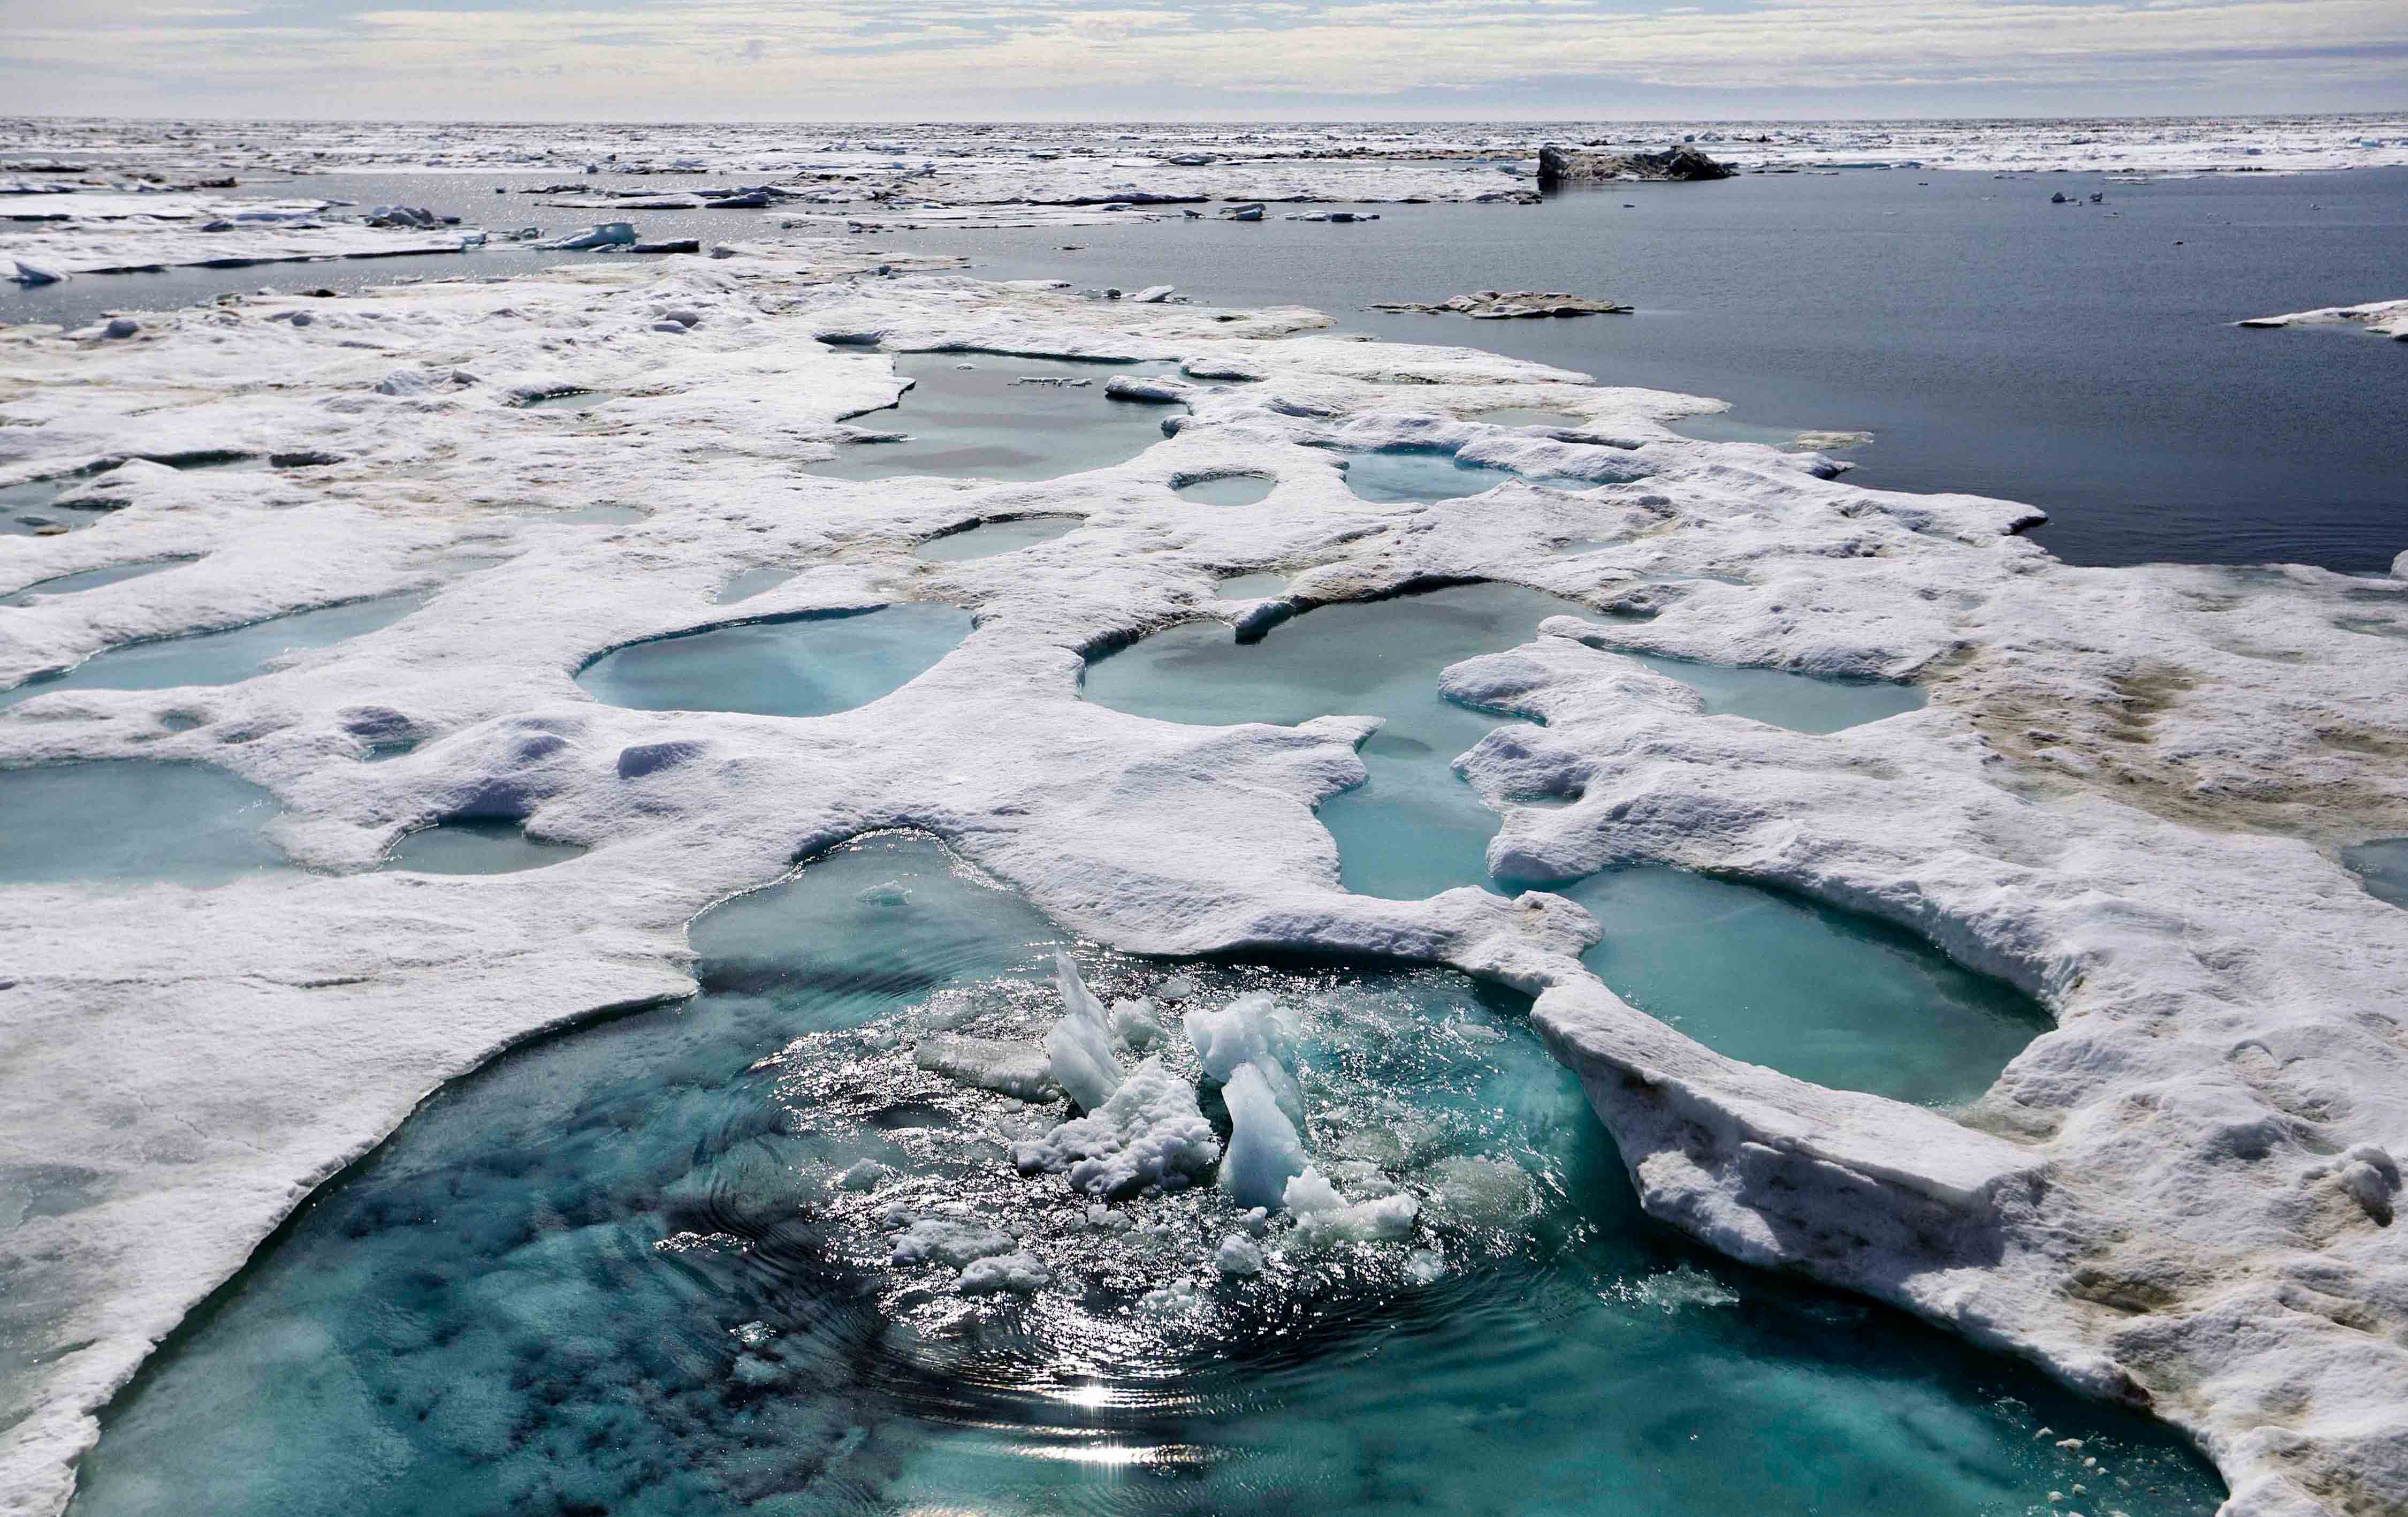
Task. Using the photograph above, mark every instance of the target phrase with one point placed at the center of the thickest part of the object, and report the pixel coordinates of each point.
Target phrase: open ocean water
(2078, 357)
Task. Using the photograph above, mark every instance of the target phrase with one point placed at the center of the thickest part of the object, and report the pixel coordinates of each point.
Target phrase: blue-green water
(124, 819)
(30, 509)
(624, 1271)
(752, 581)
(989, 539)
(1418, 475)
(475, 846)
(1414, 827)
(1821, 995)
(89, 579)
(969, 414)
(220, 657)
(791, 666)
(1226, 489)
(2382, 865)
(1252, 586)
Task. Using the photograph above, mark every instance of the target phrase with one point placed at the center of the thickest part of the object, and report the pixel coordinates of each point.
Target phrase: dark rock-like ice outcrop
(1574, 166)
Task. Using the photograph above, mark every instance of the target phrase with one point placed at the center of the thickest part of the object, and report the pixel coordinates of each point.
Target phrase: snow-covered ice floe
(2384, 318)
(1067, 163)
(2128, 794)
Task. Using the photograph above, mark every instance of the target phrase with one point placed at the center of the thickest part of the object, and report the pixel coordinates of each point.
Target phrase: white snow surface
(948, 164)
(2126, 795)
(2384, 318)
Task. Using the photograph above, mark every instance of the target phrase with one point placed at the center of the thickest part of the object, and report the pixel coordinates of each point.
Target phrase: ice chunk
(1135, 1023)
(865, 1174)
(602, 235)
(1250, 1030)
(942, 1241)
(1238, 1255)
(1148, 1134)
(1265, 1153)
(1081, 1043)
(1322, 1217)
(1019, 1273)
(1311, 1192)
(1015, 1069)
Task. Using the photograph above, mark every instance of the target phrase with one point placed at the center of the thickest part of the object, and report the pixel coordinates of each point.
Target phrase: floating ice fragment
(1154, 294)
(1250, 1030)
(1424, 1267)
(1265, 1153)
(1081, 1043)
(1014, 1069)
(1018, 1273)
(601, 235)
(865, 1174)
(1148, 1133)
(944, 1241)
(1178, 1295)
(1238, 1255)
(1136, 1024)
(1179, 987)
(1323, 1218)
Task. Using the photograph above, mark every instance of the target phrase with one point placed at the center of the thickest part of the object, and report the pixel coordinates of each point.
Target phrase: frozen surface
(2126, 795)
(2382, 318)
(1104, 163)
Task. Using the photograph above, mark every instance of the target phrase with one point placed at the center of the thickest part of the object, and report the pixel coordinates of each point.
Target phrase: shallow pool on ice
(988, 539)
(1414, 827)
(89, 579)
(1412, 474)
(652, 1267)
(988, 415)
(475, 846)
(789, 666)
(1226, 489)
(2382, 865)
(1252, 586)
(220, 657)
(132, 820)
(42, 508)
(1822, 995)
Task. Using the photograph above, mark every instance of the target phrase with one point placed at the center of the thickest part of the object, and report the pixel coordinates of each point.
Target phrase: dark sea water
(2077, 357)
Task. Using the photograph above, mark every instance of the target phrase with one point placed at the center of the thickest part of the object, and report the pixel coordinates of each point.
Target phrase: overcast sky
(1062, 59)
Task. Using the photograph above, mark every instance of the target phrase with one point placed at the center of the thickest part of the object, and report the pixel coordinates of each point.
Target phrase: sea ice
(1079, 1045)
(2128, 792)
(1264, 1152)
(1149, 1134)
